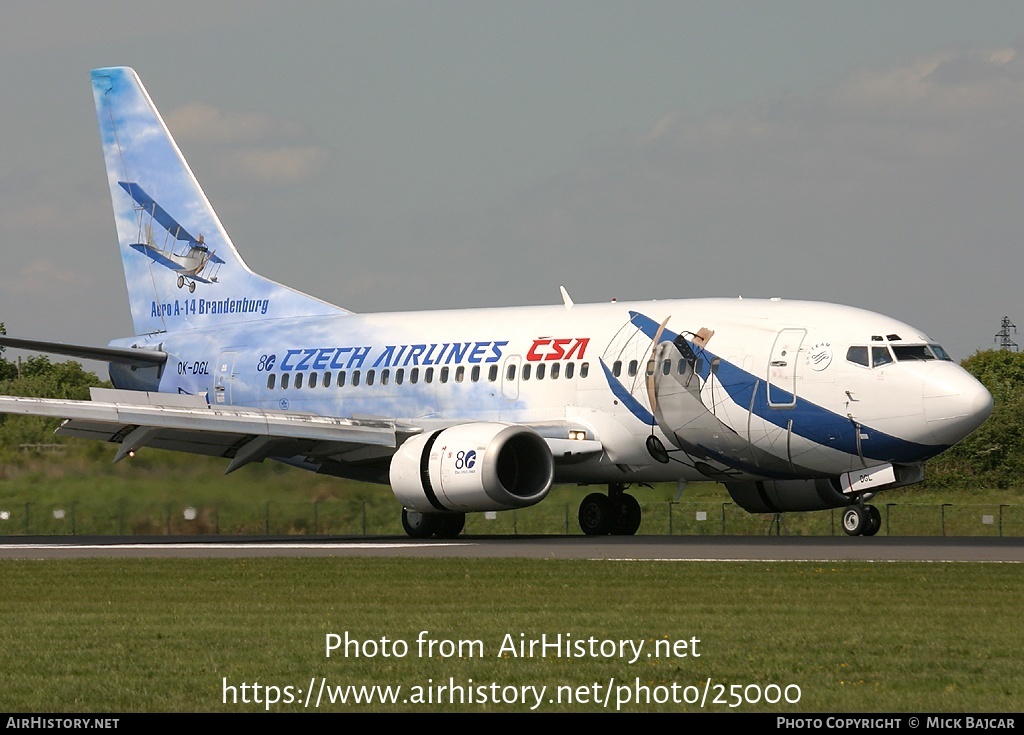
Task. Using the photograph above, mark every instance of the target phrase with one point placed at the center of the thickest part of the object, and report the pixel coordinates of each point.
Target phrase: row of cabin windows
(633, 366)
(444, 374)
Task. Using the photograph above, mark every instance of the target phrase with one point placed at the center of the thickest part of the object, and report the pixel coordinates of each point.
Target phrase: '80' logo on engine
(465, 460)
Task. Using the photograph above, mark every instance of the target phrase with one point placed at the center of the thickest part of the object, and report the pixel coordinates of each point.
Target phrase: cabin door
(782, 364)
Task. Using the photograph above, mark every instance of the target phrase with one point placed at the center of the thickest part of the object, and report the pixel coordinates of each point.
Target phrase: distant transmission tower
(1003, 335)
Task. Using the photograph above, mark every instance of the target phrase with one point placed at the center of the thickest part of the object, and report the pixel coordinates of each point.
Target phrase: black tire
(596, 515)
(449, 525)
(419, 525)
(181, 281)
(626, 515)
(855, 520)
(874, 520)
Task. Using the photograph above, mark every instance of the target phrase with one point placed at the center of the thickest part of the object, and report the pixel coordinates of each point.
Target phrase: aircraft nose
(955, 404)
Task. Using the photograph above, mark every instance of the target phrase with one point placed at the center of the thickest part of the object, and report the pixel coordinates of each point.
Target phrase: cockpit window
(858, 355)
(880, 356)
(919, 352)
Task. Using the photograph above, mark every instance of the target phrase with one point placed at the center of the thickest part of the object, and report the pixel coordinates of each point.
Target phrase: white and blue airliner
(794, 406)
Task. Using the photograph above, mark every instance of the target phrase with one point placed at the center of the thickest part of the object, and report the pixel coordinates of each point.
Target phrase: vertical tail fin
(180, 266)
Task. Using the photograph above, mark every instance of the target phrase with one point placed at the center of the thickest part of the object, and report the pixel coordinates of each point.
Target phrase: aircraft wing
(137, 419)
(187, 423)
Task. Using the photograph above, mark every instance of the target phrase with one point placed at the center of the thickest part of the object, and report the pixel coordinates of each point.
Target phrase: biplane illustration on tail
(794, 406)
(193, 257)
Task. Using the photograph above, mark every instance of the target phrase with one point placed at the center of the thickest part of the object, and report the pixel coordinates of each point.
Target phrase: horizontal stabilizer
(124, 355)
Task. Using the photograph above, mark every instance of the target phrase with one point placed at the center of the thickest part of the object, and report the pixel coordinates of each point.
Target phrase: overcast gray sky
(401, 156)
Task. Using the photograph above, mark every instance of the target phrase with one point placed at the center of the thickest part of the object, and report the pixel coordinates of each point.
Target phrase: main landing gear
(616, 513)
(861, 520)
(425, 525)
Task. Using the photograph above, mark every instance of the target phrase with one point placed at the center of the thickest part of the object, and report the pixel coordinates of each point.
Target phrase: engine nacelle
(472, 467)
(780, 496)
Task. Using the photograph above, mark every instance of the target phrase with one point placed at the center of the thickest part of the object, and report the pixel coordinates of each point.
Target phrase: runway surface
(636, 548)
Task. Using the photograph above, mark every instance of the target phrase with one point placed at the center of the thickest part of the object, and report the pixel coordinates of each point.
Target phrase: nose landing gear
(861, 520)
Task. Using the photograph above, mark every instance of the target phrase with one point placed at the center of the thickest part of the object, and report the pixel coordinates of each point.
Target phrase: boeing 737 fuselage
(793, 405)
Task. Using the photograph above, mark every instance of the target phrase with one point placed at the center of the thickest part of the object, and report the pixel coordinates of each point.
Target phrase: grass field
(164, 635)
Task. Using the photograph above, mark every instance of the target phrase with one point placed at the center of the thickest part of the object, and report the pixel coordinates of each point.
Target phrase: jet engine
(472, 467)
(781, 496)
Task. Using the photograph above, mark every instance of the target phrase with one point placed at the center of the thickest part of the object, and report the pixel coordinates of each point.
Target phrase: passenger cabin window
(298, 380)
(617, 368)
(270, 381)
(584, 369)
(633, 365)
(554, 370)
(526, 372)
(540, 371)
(312, 380)
(327, 380)
(492, 373)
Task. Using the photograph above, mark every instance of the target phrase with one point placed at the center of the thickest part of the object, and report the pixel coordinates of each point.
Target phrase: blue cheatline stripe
(810, 421)
(627, 398)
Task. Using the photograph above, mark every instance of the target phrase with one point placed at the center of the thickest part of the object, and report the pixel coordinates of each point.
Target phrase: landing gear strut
(862, 520)
(616, 513)
(425, 525)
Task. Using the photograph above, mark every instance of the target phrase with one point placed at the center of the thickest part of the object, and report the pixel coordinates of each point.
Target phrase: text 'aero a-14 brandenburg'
(794, 406)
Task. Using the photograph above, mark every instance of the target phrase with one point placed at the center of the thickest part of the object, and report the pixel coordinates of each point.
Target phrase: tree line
(38, 376)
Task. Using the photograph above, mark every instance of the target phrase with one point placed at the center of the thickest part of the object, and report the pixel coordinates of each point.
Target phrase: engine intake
(471, 468)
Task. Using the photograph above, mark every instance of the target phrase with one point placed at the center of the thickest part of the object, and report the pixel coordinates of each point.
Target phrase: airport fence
(341, 518)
